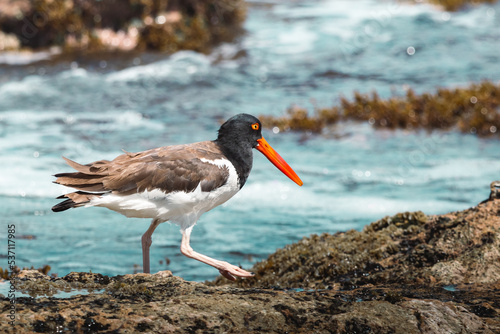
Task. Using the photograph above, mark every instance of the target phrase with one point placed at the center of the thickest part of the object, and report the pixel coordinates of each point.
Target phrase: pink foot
(229, 271)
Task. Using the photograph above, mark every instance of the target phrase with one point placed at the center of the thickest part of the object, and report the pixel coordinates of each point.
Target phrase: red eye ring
(255, 126)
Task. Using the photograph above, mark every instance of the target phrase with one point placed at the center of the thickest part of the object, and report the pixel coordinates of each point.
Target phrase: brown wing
(171, 168)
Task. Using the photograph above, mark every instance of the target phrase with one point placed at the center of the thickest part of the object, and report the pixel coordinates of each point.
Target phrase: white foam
(27, 87)
(26, 57)
(178, 67)
(298, 40)
(76, 73)
(37, 140)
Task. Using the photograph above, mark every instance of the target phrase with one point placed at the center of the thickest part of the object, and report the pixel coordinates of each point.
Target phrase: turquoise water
(304, 53)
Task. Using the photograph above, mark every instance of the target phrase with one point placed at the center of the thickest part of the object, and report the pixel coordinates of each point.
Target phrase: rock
(9, 42)
(494, 191)
(168, 304)
(409, 273)
(439, 317)
(120, 25)
(32, 275)
(456, 248)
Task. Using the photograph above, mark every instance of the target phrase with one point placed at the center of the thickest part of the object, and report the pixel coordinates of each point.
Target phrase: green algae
(473, 109)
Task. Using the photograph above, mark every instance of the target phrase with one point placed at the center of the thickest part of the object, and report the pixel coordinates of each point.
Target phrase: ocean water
(303, 53)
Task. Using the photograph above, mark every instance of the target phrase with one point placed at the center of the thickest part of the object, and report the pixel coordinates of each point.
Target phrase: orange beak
(277, 160)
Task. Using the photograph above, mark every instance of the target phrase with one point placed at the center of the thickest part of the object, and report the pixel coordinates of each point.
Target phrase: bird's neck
(240, 156)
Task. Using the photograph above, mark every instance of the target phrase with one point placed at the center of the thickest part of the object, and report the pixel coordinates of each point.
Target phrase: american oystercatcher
(174, 183)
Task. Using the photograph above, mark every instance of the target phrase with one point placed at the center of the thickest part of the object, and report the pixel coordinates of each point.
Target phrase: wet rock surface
(412, 248)
(410, 273)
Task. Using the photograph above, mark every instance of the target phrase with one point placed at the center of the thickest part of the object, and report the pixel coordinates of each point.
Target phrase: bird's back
(163, 181)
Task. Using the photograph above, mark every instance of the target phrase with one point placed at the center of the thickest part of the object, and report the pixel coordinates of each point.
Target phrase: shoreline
(409, 273)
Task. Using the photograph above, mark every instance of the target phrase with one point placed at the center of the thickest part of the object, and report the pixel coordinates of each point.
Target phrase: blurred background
(86, 79)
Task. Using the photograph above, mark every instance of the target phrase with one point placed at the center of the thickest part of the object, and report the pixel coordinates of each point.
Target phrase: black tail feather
(74, 200)
(65, 205)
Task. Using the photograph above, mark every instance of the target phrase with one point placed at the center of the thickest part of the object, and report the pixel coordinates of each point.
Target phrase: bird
(175, 183)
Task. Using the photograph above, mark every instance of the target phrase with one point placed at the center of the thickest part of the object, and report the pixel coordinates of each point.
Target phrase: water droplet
(276, 130)
(473, 130)
(473, 99)
(74, 65)
(103, 64)
(69, 119)
(371, 121)
(410, 51)
(161, 19)
(36, 154)
(493, 129)
(445, 16)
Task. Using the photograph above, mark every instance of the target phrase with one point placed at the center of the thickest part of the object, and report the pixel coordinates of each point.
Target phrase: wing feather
(169, 169)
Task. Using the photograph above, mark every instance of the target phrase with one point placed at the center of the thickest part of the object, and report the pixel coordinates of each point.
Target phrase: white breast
(182, 208)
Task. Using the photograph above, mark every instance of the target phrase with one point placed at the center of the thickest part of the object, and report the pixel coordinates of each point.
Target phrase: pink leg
(226, 269)
(146, 243)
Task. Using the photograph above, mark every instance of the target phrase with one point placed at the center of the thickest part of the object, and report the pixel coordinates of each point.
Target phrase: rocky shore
(119, 25)
(126, 25)
(410, 273)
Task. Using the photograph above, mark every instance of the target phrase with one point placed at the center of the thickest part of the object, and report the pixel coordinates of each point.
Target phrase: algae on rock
(456, 248)
(473, 109)
(125, 25)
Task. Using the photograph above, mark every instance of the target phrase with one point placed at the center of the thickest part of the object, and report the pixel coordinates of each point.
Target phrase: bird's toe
(229, 271)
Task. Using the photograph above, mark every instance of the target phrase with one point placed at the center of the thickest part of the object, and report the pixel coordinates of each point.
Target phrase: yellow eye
(255, 126)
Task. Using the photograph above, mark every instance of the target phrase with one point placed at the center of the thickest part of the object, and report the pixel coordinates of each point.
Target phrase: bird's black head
(238, 136)
(242, 130)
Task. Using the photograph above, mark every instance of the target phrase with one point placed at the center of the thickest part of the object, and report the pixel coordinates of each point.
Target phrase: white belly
(182, 208)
